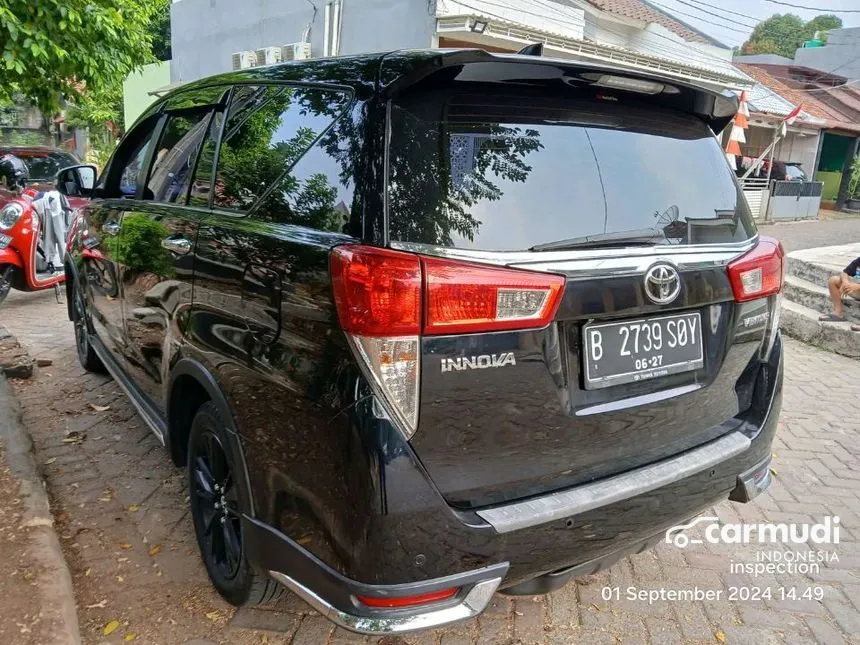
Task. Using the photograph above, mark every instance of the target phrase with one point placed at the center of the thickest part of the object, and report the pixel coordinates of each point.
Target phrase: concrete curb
(58, 606)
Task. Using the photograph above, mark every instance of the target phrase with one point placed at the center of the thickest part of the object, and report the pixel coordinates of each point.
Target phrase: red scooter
(33, 226)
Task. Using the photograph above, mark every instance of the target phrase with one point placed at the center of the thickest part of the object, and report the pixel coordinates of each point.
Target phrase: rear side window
(504, 173)
(268, 129)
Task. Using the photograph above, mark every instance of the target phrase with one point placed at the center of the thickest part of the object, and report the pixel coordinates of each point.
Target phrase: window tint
(499, 173)
(201, 185)
(176, 153)
(129, 175)
(267, 130)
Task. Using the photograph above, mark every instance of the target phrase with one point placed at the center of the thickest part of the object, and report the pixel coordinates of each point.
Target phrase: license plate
(636, 350)
(5, 241)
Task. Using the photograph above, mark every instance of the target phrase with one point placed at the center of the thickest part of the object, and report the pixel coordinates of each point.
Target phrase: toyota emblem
(662, 283)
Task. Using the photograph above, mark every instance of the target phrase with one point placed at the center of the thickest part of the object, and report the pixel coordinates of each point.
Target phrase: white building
(207, 33)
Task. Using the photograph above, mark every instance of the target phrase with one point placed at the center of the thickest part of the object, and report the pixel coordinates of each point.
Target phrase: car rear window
(504, 173)
(44, 165)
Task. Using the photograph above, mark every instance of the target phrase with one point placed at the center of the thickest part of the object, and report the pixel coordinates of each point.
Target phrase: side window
(268, 129)
(132, 159)
(176, 154)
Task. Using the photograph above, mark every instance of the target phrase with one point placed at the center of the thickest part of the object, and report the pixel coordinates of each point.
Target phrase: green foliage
(783, 33)
(139, 247)
(26, 138)
(854, 181)
(160, 31)
(53, 49)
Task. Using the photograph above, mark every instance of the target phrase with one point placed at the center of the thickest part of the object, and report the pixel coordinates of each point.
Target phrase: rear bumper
(337, 597)
(420, 544)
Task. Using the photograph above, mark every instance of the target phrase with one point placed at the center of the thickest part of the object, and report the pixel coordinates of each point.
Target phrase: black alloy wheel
(86, 354)
(214, 482)
(217, 505)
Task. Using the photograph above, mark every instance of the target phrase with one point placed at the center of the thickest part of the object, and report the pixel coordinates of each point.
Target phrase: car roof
(11, 149)
(390, 73)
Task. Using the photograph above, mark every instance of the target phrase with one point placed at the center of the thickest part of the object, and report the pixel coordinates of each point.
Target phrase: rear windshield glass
(508, 173)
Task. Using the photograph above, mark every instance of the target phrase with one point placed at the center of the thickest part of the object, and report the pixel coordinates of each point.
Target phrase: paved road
(129, 541)
(836, 229)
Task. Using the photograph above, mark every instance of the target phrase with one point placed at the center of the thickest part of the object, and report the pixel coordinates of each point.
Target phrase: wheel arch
(191, 385)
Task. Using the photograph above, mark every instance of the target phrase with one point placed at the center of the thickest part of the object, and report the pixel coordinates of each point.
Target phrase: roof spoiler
(402, 71)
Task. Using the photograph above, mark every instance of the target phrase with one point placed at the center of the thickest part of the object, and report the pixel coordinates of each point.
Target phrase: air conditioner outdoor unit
(296, 51)
(268, 55)
(244, 60)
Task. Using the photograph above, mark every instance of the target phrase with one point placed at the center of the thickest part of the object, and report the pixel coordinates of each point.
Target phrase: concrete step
(815, 296)
(818, 264)
(802, 323)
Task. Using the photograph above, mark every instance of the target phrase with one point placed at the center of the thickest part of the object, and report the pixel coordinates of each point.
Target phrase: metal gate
(794, 200)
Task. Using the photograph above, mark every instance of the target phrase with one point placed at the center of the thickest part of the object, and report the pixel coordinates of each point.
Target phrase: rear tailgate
(500, 178)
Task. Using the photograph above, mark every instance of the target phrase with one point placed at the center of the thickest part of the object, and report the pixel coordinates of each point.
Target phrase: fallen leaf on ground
(213, 615)
(155, 550)
(98, 605)
(110, 628)
(124, 545)
(130, 636)
(88, 571)
(48, 462)
(134, 508)
(720, 637)
(99, 408)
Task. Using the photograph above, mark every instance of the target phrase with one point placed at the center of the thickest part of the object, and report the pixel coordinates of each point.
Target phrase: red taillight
(408, 601)
(759, 272)
(377, 291)
(462, 297)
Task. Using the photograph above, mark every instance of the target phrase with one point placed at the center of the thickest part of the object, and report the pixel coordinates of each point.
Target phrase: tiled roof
(810, 104)
(638, 10)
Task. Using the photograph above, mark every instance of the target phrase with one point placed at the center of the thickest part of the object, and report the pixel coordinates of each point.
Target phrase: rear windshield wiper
(643, 237)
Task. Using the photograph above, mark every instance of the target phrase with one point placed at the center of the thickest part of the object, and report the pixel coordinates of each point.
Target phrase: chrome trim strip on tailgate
(574, 501)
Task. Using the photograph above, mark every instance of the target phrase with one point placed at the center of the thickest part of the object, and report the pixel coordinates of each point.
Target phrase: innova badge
(662, 284)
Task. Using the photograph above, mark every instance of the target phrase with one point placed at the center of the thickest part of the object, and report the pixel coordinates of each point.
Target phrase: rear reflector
(758, 273)
(408, 601)
(463, 297)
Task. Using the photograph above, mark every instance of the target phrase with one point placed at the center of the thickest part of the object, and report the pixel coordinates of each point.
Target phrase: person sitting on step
(846, 284)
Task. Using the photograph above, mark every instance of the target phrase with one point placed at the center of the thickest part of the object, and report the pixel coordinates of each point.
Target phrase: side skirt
(152, 417)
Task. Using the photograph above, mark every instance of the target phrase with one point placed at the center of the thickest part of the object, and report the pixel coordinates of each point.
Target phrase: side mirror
(76, 181)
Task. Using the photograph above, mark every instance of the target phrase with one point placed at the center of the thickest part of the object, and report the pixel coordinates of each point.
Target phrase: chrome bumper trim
(531, 512)
(472, 604)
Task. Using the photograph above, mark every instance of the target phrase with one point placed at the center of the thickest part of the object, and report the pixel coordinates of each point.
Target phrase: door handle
(178, 245)
(111, 228)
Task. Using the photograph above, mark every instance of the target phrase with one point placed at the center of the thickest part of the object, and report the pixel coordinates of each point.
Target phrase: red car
(43, 163)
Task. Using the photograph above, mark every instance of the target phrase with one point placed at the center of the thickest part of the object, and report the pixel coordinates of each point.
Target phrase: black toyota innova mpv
(426, 326)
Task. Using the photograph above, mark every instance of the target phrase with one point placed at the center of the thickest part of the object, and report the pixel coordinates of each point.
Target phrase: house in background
(827, 100)
(630, 33)
(840, 54)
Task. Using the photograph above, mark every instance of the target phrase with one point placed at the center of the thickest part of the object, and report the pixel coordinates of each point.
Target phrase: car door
(101, 254)
(157, 239)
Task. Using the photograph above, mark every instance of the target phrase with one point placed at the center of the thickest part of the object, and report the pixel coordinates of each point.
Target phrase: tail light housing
(760, 272)
(386, 300)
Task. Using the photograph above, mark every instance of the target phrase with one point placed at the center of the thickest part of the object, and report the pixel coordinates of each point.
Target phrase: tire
(215, 511)
(5, 284)
(86, 355)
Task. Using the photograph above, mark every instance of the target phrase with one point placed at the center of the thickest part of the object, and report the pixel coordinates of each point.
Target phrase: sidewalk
(37, 604)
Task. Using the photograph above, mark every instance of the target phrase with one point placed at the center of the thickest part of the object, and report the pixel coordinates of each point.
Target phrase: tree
(822, 23)
(63, 49)
(783, 33)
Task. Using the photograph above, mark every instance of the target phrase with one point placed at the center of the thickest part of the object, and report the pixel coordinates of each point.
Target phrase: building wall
(793, 147)
(841, 55)
(205, 33)
(137, 86)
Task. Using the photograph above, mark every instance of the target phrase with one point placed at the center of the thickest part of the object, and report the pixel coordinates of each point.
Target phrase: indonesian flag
(737, 136)
(791, 118)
